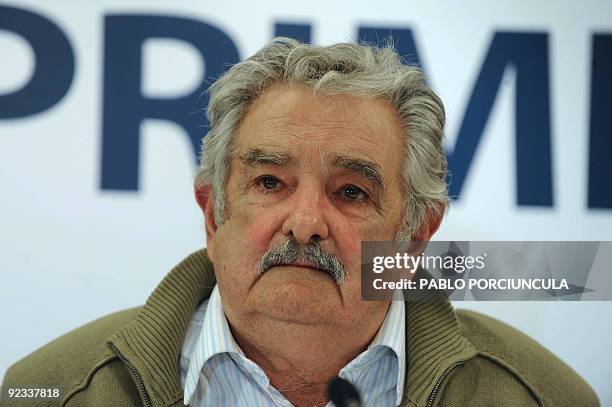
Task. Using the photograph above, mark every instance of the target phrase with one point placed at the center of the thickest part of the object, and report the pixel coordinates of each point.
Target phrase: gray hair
(346, 68)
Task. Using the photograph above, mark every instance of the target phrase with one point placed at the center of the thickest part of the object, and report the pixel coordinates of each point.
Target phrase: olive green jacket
(131, 358)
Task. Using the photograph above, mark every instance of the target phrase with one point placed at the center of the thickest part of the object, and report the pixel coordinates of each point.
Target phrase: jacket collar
(152, 342)
(434, 344)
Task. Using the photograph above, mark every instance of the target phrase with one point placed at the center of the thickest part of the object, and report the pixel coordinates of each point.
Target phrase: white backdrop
(71, 252)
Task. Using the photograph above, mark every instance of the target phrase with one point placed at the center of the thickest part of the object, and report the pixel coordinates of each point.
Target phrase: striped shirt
(216, 372)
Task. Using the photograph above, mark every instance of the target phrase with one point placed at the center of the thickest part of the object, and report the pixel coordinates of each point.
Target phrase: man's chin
(297, 302)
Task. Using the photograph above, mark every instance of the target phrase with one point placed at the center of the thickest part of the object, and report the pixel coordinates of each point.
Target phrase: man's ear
(205, 199)
(430, 225)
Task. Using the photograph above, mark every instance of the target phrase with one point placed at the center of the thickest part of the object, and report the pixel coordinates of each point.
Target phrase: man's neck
(300, 359)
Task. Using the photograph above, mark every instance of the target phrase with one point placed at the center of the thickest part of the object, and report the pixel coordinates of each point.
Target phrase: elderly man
(311, 151)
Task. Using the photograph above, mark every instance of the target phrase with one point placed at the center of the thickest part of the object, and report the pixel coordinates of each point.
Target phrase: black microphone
(342, 393)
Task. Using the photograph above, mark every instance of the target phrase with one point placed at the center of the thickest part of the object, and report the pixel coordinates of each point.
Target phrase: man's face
(313, 168)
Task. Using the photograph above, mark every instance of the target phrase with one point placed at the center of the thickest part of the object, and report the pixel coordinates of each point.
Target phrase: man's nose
(306, 219)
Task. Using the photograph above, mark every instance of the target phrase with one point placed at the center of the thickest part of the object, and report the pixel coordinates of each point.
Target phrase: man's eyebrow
(365, 168)
(256, 156)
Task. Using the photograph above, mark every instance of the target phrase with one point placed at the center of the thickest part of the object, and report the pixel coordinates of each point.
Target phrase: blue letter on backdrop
(528, 53)
(300, 32)
(600, 148)
(124, 105)
(54, 63)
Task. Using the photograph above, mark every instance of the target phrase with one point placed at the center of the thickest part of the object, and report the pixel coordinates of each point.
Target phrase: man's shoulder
(509, 358)
(69, 360)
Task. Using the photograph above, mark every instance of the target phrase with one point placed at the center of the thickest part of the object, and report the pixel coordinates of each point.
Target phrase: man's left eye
(353, 193)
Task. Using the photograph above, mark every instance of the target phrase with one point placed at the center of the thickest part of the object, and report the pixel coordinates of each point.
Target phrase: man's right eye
(268, 183)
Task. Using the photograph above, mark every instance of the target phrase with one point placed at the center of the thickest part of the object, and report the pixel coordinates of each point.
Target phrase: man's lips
(307, 266)
(302, 265)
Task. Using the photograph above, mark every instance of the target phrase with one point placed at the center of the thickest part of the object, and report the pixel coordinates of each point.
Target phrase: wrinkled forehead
(296, 124)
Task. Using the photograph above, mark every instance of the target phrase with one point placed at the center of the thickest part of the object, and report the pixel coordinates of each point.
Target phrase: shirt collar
(215, 337)
(391, 335)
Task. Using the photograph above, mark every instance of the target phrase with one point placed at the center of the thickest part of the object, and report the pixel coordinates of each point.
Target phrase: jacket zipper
(135, 375)
(436, 388)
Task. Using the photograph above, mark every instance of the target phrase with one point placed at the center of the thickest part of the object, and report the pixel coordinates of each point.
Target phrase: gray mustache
(292, 252)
